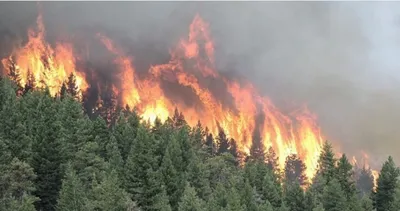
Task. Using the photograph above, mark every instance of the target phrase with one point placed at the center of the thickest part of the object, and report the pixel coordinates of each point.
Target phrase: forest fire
(241, 114)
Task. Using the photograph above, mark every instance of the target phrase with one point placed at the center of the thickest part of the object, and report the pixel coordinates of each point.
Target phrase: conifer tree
(72, 193)
(72, 88)
(294, 197)
(365, 181)
(190, 201)
(17, 186)
(161, 201)
(46, 160)
(386, 189)
(223, 142)
(257, 151)
(326, 162)
(333, 197)
(174, 177)
(209, 144)
(366, 203)
(272, 160)
(319, 207)
(295, 170)
(108, 196)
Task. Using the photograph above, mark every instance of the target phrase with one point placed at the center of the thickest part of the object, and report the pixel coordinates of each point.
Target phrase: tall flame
(49, 66)
(191, 67)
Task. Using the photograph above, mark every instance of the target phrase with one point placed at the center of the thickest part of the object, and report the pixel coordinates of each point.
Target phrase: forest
(58, 155)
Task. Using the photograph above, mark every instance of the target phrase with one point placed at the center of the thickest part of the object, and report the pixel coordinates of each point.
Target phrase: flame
(192, 67)
(49, 66)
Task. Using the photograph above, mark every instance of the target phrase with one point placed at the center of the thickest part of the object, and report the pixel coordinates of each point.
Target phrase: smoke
(339, 58)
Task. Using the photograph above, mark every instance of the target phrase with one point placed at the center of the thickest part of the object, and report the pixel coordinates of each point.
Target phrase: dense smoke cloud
(338, 58)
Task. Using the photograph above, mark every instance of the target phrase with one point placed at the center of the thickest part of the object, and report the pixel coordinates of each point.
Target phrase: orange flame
(191, 67)
(49, 66)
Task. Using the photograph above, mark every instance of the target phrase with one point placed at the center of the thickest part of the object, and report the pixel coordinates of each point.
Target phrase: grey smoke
(340, 58)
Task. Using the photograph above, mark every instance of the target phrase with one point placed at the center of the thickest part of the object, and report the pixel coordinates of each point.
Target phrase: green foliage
(72, 193)
(387, 181)
(55, 157)
(333, 197)
(294, 197)
(190, 201)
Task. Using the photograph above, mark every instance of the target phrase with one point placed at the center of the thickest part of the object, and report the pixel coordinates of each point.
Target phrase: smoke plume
(338, 58)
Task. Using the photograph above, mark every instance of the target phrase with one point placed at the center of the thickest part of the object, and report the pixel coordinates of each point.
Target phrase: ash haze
(339, 58)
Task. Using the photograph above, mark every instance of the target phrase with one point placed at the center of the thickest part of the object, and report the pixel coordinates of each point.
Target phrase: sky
(339, 58)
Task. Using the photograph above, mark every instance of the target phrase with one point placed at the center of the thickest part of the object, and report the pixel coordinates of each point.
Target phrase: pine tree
(366, 203)
(233, 200)
(272, 160)
(30, 83)
(17, 186)
(345, 177)
(108, 196)
(190, 201)
(114, 157)
(72, 88)
(365, 181)
(319, 207)
(333, 197)
(294, 197)
(326, 162)
(385, 191)
(72, 193)
(257, 151)
(101, 135)
(125, 131)
(209, 144)
(173, 173)
(161, 201)
(295, 170)
(197, 175)
(46, 160)
(223, 143)
(142, 179)
(283, 207)
(88, 164)
(271, 190)
(63, 90)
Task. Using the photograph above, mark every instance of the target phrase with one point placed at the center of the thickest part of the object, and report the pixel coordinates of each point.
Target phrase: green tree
(319, 207)
(142, 178)
(366, 203)
(386, 188)
(72, 88)
(326, 162)
(190, 201)
(72, 193)
(294, 197)
(47, 148)
(223, 142)
(108, 196)
(333, 197)
(295, 170)
(17, 186)
(174, 175)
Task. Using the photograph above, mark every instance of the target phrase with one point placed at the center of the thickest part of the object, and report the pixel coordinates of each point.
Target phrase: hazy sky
(340, 58)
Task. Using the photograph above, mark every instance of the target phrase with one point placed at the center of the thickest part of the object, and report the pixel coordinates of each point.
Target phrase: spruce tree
(295, 170)
(223, 142)
(386, 189)
(108, 196)
(366, 203)
(294, 197)
(190, 201)
(326, 162)
(72, 193)
(174, 176)
(333, 197)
